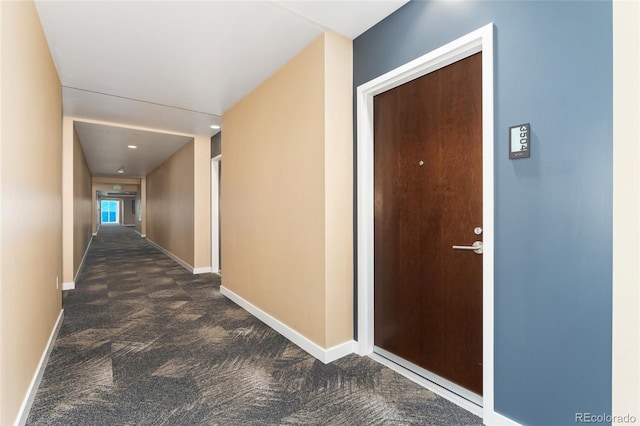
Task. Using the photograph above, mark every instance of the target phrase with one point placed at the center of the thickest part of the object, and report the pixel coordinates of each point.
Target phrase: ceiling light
(131, 146)
(121, 170)
(215, 126)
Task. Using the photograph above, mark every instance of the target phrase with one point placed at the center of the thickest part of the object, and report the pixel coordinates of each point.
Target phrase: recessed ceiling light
(131, 146)
(215, 126)
(121, 170)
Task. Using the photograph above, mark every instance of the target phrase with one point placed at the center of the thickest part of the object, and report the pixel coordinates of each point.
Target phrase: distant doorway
(110, 211)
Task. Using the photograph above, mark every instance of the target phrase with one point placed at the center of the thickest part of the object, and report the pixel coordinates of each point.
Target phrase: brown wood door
(428, 198)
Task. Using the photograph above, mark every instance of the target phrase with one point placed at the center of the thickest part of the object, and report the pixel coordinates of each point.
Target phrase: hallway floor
(145, 342)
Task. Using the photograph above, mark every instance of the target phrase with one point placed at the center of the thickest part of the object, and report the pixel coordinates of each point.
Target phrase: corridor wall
(30, 203)
(286, 197)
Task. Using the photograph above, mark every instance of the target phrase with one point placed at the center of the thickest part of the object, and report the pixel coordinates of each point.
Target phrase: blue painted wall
(554, 210)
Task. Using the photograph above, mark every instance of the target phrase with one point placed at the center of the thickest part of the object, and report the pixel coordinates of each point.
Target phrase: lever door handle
(476, 247)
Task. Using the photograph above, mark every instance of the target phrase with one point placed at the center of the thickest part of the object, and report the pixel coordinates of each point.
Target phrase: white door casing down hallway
(215, 214)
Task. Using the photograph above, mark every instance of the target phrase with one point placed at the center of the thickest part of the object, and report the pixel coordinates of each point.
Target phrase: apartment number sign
(519, 138)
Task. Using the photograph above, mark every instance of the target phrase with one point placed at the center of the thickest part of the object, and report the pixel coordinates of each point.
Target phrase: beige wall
(338, 175)
(68, 134)
(30, 206)
(626, 214)
(286, 196)
(202, 202)
(82, 208)
(143, 206)
(170, 204)
(77, 209)
(176, 200)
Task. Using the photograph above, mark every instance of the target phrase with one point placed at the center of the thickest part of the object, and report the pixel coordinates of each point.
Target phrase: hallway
(145, 342)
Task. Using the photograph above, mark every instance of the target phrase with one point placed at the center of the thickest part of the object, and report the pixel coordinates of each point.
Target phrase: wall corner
(202, 200)
(338, 179)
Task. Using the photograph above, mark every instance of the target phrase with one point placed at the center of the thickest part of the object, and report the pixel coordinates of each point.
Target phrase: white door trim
(215, 214)
(480, 40)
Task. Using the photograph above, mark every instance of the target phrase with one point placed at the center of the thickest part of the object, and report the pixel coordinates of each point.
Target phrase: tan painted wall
(286, 208)
(82, 208)
(68, 134)
(170, 204)
(338, 173)
(626, 210)
(202, 201)
(143, 206)
(30, 204)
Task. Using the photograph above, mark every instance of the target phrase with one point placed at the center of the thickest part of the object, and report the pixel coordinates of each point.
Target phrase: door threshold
(460, 401)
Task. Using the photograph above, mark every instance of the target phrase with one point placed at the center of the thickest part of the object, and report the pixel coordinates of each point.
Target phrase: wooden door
(428, 198)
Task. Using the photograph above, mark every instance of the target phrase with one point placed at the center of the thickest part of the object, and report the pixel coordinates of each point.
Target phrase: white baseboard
(84, 256)
(129, 224)
(338, 351)
(70, 285)
(182, 263)
(23, 413)
(497, 419)
(316, 351)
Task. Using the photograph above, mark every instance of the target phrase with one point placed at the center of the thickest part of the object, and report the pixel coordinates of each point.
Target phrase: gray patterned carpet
(144, 342)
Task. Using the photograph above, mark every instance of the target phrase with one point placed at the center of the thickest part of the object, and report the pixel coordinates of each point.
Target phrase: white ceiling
(179, 65)
(106, 149)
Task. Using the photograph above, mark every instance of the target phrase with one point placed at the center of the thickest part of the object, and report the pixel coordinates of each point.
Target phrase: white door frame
(215, 214)
(480, 40)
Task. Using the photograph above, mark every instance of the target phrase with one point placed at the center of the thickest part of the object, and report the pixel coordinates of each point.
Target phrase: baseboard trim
(497, 419)
(23, 413)
(316, 351)
(181, 262)
(84, 256)
(69, 285)
(129, 225)
(339, 351)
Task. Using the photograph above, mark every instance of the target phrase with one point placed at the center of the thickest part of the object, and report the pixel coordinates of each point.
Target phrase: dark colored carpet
(144, 342)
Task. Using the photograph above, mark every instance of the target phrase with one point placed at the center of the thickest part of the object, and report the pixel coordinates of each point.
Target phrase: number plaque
(519, 141)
